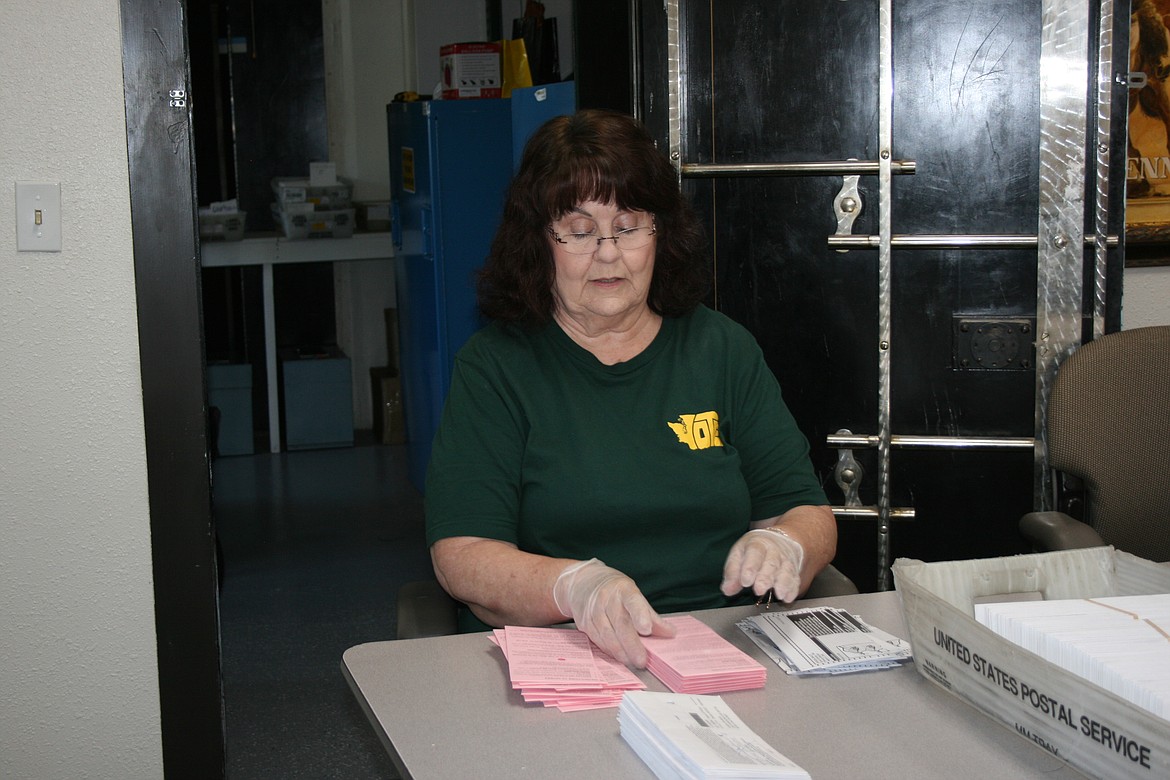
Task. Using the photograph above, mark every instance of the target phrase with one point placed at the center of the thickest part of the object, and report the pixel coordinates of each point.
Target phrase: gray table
(444, 709)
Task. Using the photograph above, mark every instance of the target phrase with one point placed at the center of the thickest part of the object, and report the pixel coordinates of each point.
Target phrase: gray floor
(314, 546)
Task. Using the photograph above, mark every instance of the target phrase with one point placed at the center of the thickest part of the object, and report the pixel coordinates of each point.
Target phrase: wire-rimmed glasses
(588, 243)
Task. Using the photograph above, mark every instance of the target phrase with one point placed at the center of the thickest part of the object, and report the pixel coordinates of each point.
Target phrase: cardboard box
(373, 215)
(1092, 729)
(470, 70)
(386, 391)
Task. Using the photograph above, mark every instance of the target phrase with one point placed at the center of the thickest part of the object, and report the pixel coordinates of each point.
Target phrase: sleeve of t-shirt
(473, 479)
(774, 454)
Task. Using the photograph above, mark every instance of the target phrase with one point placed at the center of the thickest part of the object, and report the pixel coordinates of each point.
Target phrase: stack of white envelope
(690, 737)
(1121, 643)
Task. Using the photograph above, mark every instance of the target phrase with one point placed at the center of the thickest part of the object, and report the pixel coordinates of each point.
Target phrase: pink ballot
(698, 660)
(561, 668)
(550, 658)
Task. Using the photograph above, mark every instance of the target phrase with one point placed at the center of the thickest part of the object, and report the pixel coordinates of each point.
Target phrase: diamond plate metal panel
(1064, 66)
(885, 312)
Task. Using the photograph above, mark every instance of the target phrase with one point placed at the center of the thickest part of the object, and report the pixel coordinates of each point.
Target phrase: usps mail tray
(1094, 730)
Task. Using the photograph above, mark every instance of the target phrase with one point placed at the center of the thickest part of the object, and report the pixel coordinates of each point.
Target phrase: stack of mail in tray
(698, 660)
(561, 668)
(1121, 643)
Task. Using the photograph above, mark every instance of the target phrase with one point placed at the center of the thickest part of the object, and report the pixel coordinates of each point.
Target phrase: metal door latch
(848, 474)
(846, 206)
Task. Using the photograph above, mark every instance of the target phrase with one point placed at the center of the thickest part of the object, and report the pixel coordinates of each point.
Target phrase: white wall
(78, 676)
(454, 21)
(437, 24)
(369, 57)
(1146, 298)
(373, 50)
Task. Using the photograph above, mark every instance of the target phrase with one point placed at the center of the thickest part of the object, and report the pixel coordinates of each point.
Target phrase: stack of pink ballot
(560, 667)
(698, 660)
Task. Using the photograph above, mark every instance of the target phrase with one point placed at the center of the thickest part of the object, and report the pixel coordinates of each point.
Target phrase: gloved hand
(764, 559)
(609, 608)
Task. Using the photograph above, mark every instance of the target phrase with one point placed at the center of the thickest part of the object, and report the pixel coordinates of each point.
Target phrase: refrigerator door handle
(427, 225)
(396, 225)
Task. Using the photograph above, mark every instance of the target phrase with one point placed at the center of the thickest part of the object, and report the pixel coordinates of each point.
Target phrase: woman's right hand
(609, 608)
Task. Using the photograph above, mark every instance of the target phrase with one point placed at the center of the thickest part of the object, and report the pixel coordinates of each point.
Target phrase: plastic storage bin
(318, 399)
(225, 226)
(315, 223)
(295, 190)
(229, 389)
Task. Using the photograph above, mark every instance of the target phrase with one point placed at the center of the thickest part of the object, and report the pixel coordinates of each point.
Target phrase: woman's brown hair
(592, 155)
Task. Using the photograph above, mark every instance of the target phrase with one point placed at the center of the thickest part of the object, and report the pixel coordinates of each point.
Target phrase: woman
(610, 448)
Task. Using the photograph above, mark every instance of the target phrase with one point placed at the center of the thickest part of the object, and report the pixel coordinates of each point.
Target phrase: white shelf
(267, 251)
(273, 250)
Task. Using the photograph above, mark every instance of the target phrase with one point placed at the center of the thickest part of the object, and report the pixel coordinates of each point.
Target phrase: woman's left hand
(764, 559)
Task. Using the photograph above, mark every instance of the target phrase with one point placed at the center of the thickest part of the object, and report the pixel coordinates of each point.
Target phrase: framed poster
(1147, 170)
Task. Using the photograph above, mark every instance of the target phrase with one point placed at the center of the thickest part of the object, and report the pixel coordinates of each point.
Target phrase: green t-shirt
(656, 465)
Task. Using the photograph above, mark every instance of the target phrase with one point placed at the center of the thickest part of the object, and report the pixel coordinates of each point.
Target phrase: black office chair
(425, 609)
(1108, 428)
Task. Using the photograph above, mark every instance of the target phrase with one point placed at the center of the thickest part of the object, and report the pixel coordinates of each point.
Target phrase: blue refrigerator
(450, 162)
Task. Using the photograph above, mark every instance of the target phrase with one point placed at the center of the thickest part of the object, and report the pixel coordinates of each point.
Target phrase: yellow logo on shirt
(698, 431)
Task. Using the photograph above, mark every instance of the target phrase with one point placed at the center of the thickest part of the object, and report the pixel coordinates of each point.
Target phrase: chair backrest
(1109, 424)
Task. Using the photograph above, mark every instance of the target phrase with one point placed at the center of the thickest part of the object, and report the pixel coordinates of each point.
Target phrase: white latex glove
(609, 608)
(764, 559)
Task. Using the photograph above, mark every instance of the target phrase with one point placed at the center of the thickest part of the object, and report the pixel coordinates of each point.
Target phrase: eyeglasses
(588, 243)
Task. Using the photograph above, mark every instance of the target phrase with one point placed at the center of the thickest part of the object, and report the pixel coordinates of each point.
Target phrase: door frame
(156, 77)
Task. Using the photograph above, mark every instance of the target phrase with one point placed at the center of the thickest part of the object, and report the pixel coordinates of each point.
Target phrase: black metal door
(904, 207)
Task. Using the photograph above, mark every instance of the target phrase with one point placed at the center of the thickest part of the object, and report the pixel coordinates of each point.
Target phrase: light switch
(38, 217)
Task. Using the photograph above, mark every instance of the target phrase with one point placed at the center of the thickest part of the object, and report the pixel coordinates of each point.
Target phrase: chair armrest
(425, 609)
(1057, 531)
(830, 582)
